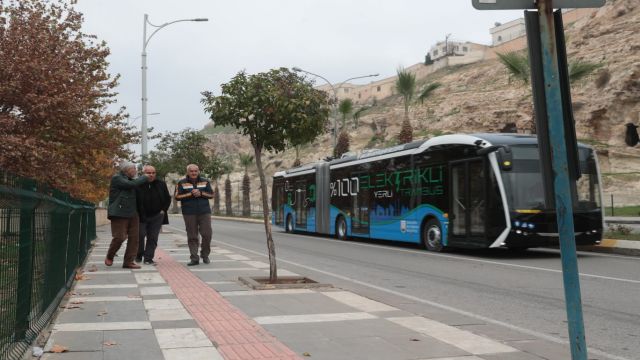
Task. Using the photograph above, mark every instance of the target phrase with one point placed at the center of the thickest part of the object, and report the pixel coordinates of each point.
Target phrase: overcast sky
(333, 38)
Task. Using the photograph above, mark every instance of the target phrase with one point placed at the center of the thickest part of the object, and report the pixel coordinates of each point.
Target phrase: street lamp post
(334, 89)
(145, 42)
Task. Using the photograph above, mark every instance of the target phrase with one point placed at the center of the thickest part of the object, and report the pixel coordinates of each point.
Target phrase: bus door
(468, 200)
(300, 205)
(360, 199)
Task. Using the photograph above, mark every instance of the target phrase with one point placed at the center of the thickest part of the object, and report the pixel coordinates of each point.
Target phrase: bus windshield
(524, 187)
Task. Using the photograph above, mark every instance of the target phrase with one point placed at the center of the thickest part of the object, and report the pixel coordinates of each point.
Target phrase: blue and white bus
(464, 191)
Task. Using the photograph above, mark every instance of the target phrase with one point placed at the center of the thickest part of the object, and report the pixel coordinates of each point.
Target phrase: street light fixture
(130, 119)
(334, 89)
(145, 42)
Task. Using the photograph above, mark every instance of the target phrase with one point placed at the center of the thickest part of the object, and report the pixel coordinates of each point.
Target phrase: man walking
(194, 192)
(155, 203)
(124, 212)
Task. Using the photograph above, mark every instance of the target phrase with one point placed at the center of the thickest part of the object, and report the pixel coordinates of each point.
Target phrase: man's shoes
(193, 263)
(205, 260)
(150, 262)
(132, 266)
(138, 258)
(108, 261)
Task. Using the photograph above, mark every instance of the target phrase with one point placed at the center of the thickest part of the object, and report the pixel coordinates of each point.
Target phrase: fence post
(25, 260)
(612, 214)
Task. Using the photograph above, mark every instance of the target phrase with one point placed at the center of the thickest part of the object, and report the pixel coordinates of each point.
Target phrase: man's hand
(196, 193)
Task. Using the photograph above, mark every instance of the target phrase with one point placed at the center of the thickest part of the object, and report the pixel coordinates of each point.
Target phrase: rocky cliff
(482, 97)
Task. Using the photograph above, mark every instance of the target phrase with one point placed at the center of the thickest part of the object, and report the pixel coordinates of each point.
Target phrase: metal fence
(44, 236)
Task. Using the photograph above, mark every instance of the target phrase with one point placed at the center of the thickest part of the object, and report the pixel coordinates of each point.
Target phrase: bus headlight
(516, 223)
(531, 226)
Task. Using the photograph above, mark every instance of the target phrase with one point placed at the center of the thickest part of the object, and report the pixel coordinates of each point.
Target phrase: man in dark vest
(155, 203)
(194, 193)
(124, 212)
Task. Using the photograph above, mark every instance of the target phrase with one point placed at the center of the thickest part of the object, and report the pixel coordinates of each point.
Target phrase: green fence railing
(44, 236)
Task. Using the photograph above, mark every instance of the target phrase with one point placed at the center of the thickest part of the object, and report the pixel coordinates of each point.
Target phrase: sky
(337, 39)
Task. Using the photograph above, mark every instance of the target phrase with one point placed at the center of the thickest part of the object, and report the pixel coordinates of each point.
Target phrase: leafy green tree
(406, 86)
(246, 160)
(275, 109)
(428, 60)
(345, 108)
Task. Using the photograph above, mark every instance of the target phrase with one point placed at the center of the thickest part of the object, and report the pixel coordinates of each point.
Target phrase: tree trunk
(246, 190)
(216, 200)
(273, 269)
(228, 201)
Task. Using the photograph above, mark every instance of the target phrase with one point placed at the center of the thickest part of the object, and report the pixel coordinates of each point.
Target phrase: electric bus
(459, 191)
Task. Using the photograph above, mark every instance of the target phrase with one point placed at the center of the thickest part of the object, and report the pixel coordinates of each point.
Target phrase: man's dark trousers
(150, 229)
(194, 224)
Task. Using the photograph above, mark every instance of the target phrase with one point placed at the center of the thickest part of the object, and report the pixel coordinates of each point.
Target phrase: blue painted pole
(561, 181)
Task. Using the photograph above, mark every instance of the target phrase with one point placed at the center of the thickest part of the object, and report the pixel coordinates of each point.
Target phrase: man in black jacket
(194, 193)
(155, 203)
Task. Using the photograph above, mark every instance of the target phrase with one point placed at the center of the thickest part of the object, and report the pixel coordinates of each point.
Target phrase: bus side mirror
(488, 150)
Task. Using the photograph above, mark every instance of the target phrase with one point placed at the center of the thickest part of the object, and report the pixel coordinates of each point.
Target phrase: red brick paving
(236, 336)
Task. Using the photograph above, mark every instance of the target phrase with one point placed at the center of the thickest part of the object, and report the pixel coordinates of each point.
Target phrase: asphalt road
(522, 292)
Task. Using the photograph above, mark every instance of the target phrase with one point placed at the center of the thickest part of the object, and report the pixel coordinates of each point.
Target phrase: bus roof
(480, 139)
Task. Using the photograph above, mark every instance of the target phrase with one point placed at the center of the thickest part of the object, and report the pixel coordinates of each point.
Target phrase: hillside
(481, 97)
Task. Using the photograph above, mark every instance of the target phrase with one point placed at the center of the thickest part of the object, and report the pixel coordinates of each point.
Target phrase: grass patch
(621, 236)
(623, 211)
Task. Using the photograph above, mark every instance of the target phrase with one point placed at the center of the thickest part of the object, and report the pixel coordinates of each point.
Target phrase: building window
(378, 88)
(435, 52)
(499, 37)
(465, 49)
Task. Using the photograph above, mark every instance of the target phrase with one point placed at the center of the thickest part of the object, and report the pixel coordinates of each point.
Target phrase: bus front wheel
(432, 235)
(289, 226)
(341, 228)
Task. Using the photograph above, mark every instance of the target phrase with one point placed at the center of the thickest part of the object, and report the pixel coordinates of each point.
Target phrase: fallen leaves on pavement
(58, 349)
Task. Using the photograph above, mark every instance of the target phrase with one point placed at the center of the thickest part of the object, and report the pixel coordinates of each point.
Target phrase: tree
(428, 60)
(427, 91)
(342, 146)
(215, 170)
(272, 108)
(517, 63)
(246, 160)
(176, 150)
(228, 200)
(358, 113)
(55, 91)
(406, 86)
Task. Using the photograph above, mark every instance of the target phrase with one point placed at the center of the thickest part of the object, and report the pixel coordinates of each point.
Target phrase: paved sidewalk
(172, 312)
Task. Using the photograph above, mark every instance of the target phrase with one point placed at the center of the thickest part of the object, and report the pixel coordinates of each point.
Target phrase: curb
(613, 246)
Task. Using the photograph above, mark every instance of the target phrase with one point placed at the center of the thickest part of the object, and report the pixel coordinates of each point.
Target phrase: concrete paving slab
(163, 304)
(108, 280)
(203, 353)
(358, 302)
(497, 332)
(131, 344)
(107, 287)
(182, 338)
(100, 311)
(155, 290)
(76, 341)
(514, 356)
(296, 319)
(228, 286)
(174, 324)
(544, 349)
(130, 291)
(104, 326)
(266, 292)
(94, 355)
(169, 315)
(472, 343)
(294, 304)
(149, 278)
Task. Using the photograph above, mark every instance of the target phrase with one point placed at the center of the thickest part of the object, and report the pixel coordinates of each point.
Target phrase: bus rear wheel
(289, 225)
(341, 228)
(432, 236)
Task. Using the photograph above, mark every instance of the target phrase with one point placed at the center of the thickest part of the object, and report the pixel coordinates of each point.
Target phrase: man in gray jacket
(124, 213)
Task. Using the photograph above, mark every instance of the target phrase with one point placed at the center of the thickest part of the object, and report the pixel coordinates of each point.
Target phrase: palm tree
(406, 86)
(517, 63)
(358, 113)
(345, 108)
(246, 160)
